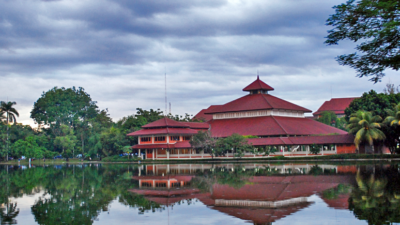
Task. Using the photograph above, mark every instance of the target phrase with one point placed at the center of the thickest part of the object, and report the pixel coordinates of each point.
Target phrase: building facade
(273, 121)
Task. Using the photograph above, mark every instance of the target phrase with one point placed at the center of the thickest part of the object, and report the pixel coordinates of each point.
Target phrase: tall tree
(374, 23)
(11, 113)
(392, 121)
(203, 141)
(365, 127)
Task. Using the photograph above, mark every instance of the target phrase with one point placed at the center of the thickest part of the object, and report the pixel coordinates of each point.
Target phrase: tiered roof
(271, 126)
(258, 85)
(169, 126)
(256, 102)
(337, 105)
(202, 114)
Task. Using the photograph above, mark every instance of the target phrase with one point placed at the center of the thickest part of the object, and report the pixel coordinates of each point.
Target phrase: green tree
(377, 104)
(11, 113)
(330, 118)
(61, 106)
(203, 141)
(365, 127)
(67, 141)
(393, 122)
(315, 149)
(374, 23)
(235, 143)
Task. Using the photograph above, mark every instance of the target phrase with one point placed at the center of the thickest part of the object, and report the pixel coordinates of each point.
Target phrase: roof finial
(258, 76)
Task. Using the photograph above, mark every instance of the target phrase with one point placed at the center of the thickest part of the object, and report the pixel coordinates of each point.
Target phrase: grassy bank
(41, 162)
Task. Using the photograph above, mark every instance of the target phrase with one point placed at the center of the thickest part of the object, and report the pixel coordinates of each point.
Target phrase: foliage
(267, 150)
(235, 143)
(203, 140)
(330, 118)
(378, 104)
(28, 148)
(315, 149)
(365, 127)
(376, 25)
(66, 141)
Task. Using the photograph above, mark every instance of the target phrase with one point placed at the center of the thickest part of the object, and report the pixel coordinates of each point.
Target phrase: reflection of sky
(197, 213)
(320, 213)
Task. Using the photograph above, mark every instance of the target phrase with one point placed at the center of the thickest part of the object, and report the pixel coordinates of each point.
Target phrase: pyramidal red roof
(165, 122)
(337, 105)
(258, 85)
(202, 114)
(256, 102)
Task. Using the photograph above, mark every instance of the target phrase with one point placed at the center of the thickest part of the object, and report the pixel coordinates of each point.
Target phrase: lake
(246, 193)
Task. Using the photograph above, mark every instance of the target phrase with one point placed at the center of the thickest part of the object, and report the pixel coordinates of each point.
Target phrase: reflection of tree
(376, 198)
(369, 192)
(333, 193)
(140, 202)
(9, 213)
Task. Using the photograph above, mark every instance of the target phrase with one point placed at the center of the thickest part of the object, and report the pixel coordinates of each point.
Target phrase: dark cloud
(119, 51)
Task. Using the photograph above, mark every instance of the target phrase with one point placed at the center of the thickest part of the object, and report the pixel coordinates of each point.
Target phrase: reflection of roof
(304, 140)
(168, 177)
(337, 105)
(269, 126)
(202, 114)
(258, 85)
(342, 202)
(182, 144)
(257, 102)
(261, 216)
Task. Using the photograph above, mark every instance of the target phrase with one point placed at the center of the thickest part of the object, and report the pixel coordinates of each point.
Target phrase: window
(174, 138)
(145, 139)
(161, 185)
(161, 138)
(147, 184)
(186, 138)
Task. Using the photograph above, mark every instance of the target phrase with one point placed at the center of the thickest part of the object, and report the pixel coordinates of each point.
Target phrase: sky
(120, 50)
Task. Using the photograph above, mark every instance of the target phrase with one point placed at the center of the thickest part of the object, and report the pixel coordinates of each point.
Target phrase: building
(336, 105)
(274, 121)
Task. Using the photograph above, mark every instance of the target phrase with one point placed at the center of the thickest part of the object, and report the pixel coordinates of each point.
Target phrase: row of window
(162, 138)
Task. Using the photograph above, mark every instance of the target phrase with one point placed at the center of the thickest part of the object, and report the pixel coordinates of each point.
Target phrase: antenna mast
(170, 108)
(165, 112)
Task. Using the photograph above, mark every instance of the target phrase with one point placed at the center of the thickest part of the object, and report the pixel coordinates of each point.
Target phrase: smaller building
(336, 105)
(167, 138)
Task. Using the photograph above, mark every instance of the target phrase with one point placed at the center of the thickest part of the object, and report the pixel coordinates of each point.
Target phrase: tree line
(70, 123)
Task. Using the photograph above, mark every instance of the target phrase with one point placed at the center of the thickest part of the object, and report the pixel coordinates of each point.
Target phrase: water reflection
(256, 193)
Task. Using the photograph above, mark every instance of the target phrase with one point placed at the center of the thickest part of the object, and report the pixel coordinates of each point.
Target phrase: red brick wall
(343, 149)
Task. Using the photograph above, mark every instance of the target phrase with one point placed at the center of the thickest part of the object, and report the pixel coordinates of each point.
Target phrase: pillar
(167, 150)
(152, 153)
(139, 153)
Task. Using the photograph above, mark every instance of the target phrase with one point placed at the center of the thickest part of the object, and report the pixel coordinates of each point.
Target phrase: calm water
(200, 194)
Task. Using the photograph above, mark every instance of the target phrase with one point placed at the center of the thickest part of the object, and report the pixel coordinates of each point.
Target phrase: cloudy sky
(119, 50)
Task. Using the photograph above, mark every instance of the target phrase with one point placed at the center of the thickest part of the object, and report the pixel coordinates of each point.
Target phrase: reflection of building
(261, 199)
(336, 105)
(274, 121)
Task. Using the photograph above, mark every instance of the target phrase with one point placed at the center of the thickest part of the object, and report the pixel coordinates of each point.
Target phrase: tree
(267, 150)
(365, 127)
(315, 149)
(203, 141)
(390, 89)
(11, 113)
(393, 122)
(66, 141)
(330, 118)
(376, 24)
(377, 104)
(61, 106)
(235, 143)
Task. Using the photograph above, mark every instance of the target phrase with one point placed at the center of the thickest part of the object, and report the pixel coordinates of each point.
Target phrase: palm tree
(11, 112)
(393, 117)
(9, 213)
(2, 116)
(365, 127)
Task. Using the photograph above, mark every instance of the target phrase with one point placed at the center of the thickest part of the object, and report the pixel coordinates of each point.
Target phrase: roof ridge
(279, 125)
(263, 95)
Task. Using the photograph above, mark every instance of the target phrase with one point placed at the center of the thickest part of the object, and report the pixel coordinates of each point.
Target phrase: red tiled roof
(256, 102)
(183, 144)
(206, 117)
(337, 105)
(163, 131)
(258, 85)
(165, 122)
(151, 146)
(197, 125)
(270, 126)
(304, 140)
